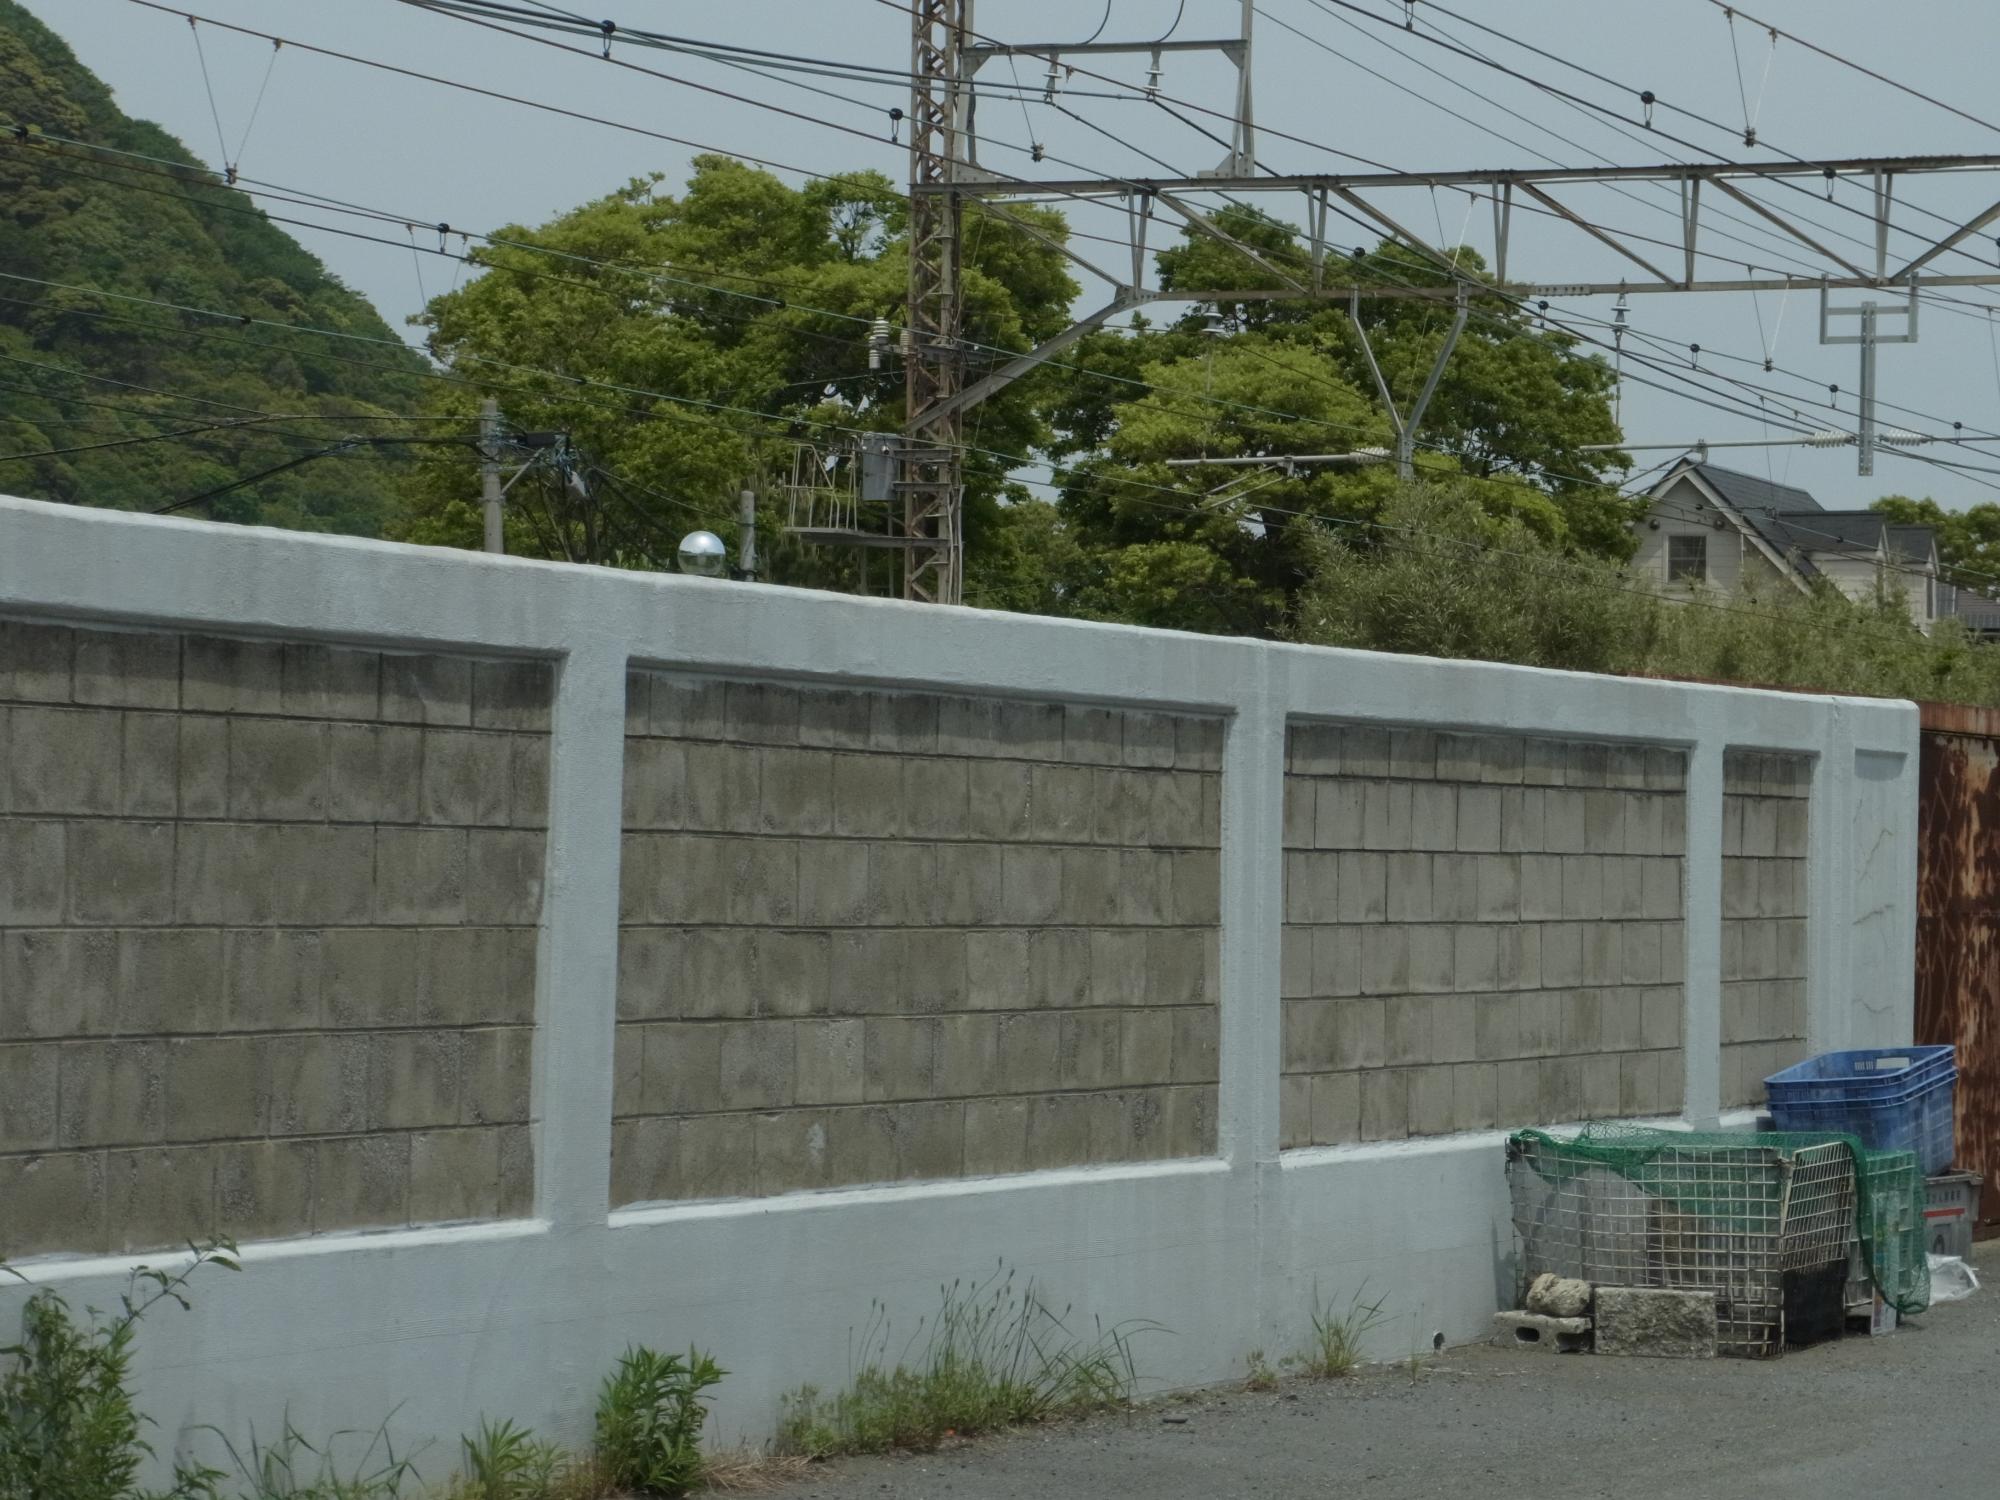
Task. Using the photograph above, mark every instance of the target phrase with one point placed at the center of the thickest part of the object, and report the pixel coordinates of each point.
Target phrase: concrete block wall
(1480, 930)
(267, 931)
(435, 1325)
(875, 936)
(1765, 807)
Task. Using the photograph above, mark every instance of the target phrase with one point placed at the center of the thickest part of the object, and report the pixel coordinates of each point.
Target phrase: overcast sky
(435, 153)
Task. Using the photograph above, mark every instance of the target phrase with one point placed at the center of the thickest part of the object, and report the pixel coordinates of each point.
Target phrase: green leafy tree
(174, 235)
(700, 316)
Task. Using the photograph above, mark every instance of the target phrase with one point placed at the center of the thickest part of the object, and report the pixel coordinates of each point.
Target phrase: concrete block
(996, 1137)
(1541, 886)
(930, 1141)
(1544, 762)
(1299, 798)
(998, 799)
(1454, 888)
(1361, 887)
(872, 973)
(1031, 885)
(127, 668)
(1409, 887)
(638, 701)
(1518, 1084)
(1090, 886)
(723, 787)
(900, 1058)
(791, 1151)
(1408, 1029)
(1059, 976)
(1091, 1043)
(719, 975)
(1307, 1030)
(1058, 1131)
(1523, 819)
(217, 1088)
(330, 682)
(828, 1067)
(1197, 887)
(1582, 887)
(1582, 1021)
(650, 968)
(1176, 967)
(1362, 751)
(1198, 742)
(1149, 738)
(833, 718)
(263, 1189)
(1118, 967)
(645, 1161)
(55, 1204)
(1562, 954)
(56, 983)
(1430, 1106)
(1598, 1086)
(503, 884)
(426, 689)
(454, 1176)
(1474, 1096)
(867, 795)
(1028, 1053)
(318, 1085)
(514, 694)
(1385, 1104)
(1563, 821)
(121, 872)
(203, 767)
(64, 760)
(149, 786)
(1454, 1028)
(1176, 810)
(1062, 805)
(1517, 957)
(1460, 756)
(1479, 818)
(655, 784)
(28, 1097)
(169, 980)
(35, 662)
(680, 1068)
(1311, 883)
(969, 885)
(996, 970)
(465, 778)
(903, 722)
(861, 1145)
(1662, 1324)
(1386, 814)
(1336, 1108)
(420, 875)
(1640, 946)
(1496, 1027)
(361, 1182)
(496, 1072)
(278, 769)
(1660, 888)
(1294, 1111)
(224, 676)
(1338, 814)
(31, 874)
(686, 708)
(1110, 1125)
(371, 977)
(936, 799)
(833, 883)
(1433, 817)
(413, 1079)
(1092, 735)
(375, 773)
(793, 973)
(1533, 1333)
(1431, 959)
(1191, 1124)
(1603, 953)
(1413, 754)
(1497, 883)
(1295, 978)
(1197, 1035)
(1360, 1033)
(1639, 1084)
(902, 885)
(1604, 821)
(1476, 957)
(1503, 759)
(967, 1060)
(1541, 1023)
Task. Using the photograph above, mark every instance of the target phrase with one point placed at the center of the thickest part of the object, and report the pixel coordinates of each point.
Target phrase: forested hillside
(96, 375)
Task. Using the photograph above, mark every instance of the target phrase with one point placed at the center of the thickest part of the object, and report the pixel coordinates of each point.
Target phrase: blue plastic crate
(1892, 1098)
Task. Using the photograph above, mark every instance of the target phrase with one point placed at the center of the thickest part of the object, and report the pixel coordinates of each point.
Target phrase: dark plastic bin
(1893, 1098)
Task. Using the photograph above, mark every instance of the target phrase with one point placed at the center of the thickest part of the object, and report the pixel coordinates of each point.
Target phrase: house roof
(1819, 530)
(1978, 612)
(1795, 525)
(1747, 492)
(1913, 543)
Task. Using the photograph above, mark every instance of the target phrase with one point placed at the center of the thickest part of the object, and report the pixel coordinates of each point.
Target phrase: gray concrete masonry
(1765, 805)
(267, 937)
(1480, 930)
(872, 936)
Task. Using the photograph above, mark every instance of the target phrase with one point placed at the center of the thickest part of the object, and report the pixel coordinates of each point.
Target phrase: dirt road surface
(1913, 1414)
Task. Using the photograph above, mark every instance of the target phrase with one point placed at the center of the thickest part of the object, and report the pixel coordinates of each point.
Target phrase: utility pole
(746, 546)
(931, 476)
(489, 472)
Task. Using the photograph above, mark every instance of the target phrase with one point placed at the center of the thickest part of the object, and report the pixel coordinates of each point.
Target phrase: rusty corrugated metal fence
(1958, 921)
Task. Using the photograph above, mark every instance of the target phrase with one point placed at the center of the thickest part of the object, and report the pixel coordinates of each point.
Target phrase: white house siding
(1677, 515)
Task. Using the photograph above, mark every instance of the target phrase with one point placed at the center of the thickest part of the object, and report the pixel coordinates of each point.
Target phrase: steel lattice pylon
(931, 476)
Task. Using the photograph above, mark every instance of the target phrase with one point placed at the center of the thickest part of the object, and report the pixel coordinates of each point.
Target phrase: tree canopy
(84, 372)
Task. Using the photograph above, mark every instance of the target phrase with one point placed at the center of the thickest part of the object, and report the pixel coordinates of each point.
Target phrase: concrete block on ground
(1534, 1333)
(1660, 1324)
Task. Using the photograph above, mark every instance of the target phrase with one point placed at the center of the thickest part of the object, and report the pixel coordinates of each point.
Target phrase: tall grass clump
(1340, 1335)
(993, 1356)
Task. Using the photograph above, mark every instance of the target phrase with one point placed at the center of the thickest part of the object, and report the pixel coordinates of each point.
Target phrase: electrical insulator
(1154, 73)
(1050, 83)
(878, 342)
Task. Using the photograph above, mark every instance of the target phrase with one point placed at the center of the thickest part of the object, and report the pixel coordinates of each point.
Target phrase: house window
(1687, 559)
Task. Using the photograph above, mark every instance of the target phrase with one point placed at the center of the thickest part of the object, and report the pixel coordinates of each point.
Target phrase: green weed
(994, 1356)
(506, 1462)
(1261, 1376)
(1340, 1337)
(292, 1468)
(68, 1428)
(649, 1420)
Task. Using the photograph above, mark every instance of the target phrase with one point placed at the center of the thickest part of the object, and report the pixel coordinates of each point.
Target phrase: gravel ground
(1914, 1414)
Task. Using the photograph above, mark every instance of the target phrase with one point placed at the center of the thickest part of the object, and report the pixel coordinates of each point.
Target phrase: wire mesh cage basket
(1728, 1214)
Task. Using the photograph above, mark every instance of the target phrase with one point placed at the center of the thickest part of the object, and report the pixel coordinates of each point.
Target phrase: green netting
(1755, 1183)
